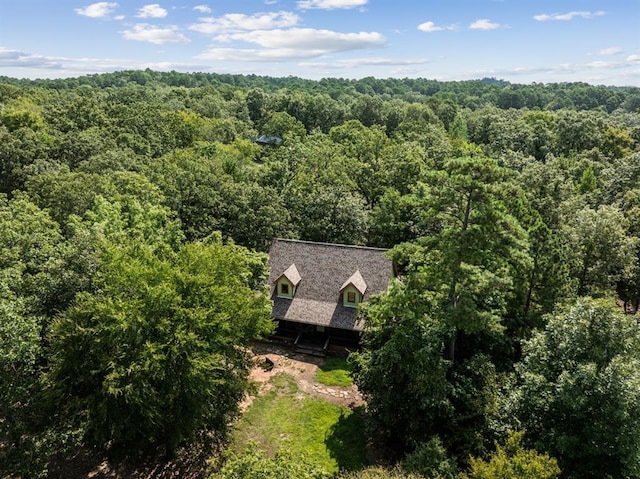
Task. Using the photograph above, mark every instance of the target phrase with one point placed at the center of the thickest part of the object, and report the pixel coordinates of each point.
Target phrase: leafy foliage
(430, 459)
(285, 465)
(471, 243)
(156, 354)
(32, 259)
(499, 202)
(513, 461)
(401, 371)
(579, 397)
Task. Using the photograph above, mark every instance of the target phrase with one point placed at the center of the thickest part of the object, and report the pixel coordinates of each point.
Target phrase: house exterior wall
(289, 287)
(345, 297)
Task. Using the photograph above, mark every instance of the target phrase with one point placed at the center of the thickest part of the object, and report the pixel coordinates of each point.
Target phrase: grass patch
(329, 435)
(334, 372)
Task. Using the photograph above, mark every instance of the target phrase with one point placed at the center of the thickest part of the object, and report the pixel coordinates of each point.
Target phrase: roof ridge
(292, 274)
(357, 281)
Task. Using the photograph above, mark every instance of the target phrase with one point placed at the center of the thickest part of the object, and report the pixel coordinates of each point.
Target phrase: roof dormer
(353, 290)
(287, 282)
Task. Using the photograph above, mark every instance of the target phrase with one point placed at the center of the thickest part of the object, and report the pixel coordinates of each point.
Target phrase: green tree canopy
(579, 393)
(514, 462)
(412, 393)
(600, 251)
(157, 352)
(32, 279)
(469, 246)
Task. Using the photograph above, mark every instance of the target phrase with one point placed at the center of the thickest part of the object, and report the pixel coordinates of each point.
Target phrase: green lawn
(334, 372)
(329, 435)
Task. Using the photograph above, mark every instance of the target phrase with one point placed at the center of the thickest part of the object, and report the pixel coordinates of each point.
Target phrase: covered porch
(315, 339)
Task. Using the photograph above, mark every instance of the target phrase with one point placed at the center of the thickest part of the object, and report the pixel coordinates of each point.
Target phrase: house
(264, 140)
(316, 288)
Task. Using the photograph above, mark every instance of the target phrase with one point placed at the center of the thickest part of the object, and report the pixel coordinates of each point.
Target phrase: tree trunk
(451, 354)
(453, 294)
(527, 302)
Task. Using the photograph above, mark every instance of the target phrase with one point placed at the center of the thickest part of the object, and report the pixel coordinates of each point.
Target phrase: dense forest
(136, 210)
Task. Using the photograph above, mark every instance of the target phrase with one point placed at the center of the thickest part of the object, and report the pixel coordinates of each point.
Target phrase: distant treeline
(471, 93)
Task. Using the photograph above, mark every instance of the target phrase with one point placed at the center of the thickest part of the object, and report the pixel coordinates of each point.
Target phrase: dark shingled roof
(357, 281)
(291, 274)
(324, 270)
(268, 140)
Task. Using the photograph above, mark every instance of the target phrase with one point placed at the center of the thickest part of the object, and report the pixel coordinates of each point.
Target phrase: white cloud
(239, 21)
(149, 33)
(431, 27)
(484, 24)
(153, 10)
(25, 64)
(97, 10)
(570, 68)
(258, 55)
(202, 9)
(358, 62)
(292, 44)
(608, 51)
(404, 72)
(543, 17)
(308, 38)
(600, 64)
(616, 73)
(330, 4)
(16, 58)
(83, 65)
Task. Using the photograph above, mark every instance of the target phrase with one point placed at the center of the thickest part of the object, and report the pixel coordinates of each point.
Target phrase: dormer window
(351, 297)
(284, 288)
(353, 290)
(286, 283)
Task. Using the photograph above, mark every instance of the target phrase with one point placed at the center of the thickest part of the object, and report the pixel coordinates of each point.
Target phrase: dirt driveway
(302, 368)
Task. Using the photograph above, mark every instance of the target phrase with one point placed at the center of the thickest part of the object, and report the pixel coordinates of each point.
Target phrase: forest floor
(193, 463)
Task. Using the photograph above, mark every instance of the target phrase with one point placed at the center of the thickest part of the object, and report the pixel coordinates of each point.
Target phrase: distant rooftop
(268, 140)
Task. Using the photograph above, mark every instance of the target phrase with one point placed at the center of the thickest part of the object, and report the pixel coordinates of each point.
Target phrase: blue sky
(522, 41)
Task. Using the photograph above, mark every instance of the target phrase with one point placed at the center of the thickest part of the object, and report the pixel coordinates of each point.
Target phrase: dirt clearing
(302, 368)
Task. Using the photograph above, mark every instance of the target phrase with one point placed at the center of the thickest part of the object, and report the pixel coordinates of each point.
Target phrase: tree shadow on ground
(346, 441)
(193, 461)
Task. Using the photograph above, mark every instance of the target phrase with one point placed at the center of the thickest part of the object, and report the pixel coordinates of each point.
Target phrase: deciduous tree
(579, 393)
(156, 353)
